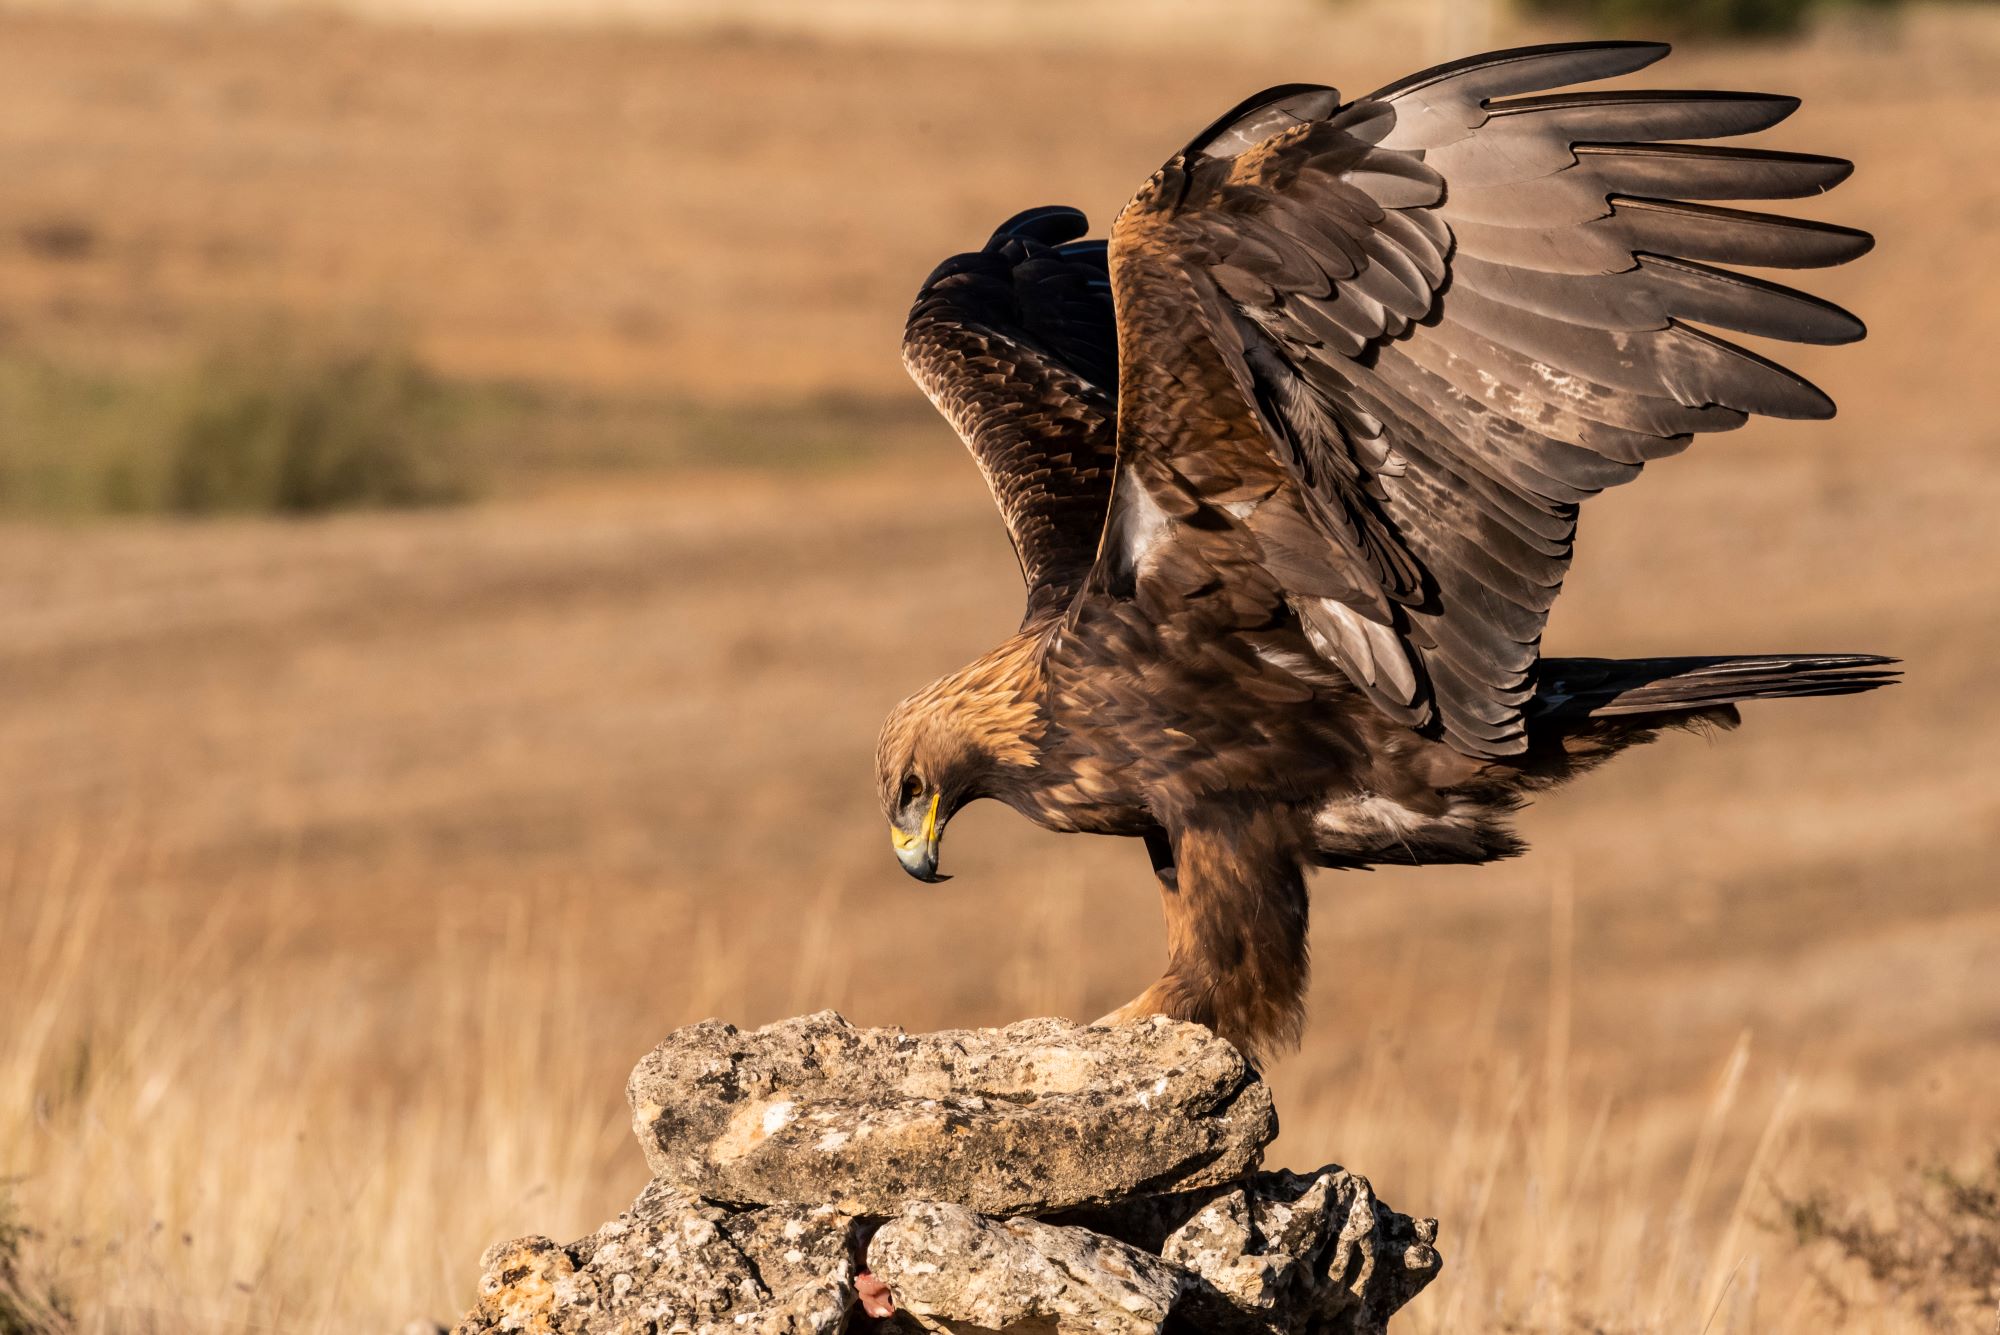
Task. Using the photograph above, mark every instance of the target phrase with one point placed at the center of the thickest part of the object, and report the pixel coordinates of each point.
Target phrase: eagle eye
(912, 789)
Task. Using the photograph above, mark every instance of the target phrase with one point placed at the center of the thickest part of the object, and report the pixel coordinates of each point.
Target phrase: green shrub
(283, 428)
(282, 424)
(293, 424)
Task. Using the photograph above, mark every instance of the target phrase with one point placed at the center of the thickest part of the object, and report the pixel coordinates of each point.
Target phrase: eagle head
(959, 739)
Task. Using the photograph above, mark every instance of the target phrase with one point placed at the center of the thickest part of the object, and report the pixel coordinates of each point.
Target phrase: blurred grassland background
(464, 520)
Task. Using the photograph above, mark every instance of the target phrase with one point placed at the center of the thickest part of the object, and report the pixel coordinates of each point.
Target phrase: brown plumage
(1293, 468)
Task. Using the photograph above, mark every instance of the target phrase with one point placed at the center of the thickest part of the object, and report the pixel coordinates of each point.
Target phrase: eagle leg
(1233, 888)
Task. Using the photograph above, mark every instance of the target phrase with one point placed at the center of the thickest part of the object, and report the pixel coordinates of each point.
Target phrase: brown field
(346, 866)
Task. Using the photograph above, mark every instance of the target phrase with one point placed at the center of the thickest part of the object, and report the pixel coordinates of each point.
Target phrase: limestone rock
(674, 1262)
(1042, 1115)
(955, 1270)
(1286, 1254)
(1038, 1179)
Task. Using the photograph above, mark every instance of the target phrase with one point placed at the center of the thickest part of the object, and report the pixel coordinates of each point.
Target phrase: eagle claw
(1142, 1007)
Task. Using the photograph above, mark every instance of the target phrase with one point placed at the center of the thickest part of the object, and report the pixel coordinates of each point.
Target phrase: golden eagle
(1292, 467)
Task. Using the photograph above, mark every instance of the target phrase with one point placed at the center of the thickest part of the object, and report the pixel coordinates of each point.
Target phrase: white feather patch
(1300, 666)
(1371, 647)
(1138, 523)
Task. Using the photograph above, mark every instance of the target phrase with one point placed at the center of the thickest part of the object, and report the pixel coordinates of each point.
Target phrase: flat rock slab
(1040, 1116)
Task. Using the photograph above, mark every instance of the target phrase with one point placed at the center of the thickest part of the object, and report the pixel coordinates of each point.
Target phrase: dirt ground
(346, 866)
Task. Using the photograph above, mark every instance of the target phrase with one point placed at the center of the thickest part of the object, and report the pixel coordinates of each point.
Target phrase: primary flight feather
(1292, 467)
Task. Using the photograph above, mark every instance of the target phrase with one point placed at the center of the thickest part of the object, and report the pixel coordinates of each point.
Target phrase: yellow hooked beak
(918, 852)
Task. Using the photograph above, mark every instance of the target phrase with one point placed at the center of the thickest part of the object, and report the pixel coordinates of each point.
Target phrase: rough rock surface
(1286, 1253)
(955, 1270)
(674, 1262)
(1042, 1115)
(1039, 1178)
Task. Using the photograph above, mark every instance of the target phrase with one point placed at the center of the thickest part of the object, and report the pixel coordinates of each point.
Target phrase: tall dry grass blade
(1701, 1164)
(1475, 1222)
(1775, 1127)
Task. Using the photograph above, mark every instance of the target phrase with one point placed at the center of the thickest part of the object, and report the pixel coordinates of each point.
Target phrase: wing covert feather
(1434, 321)
(1016, 345)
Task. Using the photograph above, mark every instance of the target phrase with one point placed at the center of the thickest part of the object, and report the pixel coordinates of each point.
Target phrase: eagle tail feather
(1597, 688)
(1586, 710)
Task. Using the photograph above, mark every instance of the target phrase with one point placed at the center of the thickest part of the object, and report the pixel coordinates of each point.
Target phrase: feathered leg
(1234, 892)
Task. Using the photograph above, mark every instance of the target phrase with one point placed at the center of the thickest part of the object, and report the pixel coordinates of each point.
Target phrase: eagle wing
(1391, 344)
(1017, 346)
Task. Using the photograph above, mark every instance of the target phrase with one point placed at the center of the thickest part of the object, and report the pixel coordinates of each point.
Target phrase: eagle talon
(1141, 1007)
(1159, 999)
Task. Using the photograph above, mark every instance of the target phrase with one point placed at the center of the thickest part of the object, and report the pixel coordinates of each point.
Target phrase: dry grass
(345, 867)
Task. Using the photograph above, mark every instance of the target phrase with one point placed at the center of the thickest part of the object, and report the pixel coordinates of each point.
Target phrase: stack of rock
(816, 1177)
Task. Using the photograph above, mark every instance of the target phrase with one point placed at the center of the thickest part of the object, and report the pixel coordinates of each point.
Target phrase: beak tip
(923, 869)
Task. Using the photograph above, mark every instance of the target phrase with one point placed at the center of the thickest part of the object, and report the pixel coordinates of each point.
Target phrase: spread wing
(1017, 346)
(1397, 341)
